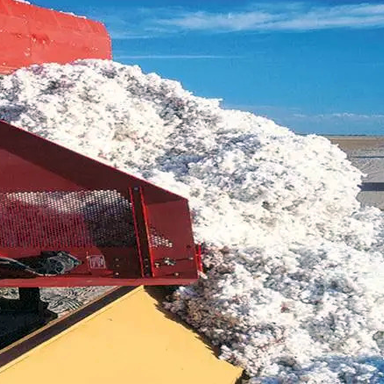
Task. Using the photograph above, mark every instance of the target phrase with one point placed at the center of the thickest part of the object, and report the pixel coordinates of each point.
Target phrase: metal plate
(34, 35)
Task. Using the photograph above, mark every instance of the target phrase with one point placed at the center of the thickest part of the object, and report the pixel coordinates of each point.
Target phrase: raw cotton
(294, 288)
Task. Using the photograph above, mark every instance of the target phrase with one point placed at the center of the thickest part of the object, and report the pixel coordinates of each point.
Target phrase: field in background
(351, 143)
(367, 154)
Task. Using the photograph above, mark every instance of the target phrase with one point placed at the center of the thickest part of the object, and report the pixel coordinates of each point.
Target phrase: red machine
(35, 35)
(67, 220)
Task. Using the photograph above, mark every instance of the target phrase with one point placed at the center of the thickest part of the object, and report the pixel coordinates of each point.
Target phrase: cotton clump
(293, 290)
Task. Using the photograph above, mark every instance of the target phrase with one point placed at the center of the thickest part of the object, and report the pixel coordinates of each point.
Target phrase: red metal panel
(28, 155)
(172, 247)
(123, 230)
(35, 35)
(15, 45)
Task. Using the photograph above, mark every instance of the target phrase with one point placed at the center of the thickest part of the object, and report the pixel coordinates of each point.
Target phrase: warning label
(97, 262)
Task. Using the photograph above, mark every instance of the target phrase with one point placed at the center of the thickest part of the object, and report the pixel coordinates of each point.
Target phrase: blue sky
(314, 66)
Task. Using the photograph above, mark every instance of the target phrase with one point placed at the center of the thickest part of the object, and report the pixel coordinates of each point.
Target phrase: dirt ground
(367, 154)
(351, 143)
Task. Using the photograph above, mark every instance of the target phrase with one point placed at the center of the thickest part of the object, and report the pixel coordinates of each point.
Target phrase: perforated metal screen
(157, 240)
(57, 220)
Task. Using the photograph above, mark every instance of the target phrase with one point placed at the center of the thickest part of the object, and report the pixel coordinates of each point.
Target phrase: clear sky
(314, 66)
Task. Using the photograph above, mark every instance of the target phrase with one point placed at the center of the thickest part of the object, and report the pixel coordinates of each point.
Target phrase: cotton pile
(294, 282)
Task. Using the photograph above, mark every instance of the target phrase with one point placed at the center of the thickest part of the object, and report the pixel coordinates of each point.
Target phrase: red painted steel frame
(42, 187)
(34, 35)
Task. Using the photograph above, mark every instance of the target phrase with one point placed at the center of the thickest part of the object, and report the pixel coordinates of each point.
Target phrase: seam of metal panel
(141, 229)
(70, 329)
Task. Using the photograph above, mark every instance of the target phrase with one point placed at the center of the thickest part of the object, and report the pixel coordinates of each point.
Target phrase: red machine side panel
(114, 228)
(34, 35)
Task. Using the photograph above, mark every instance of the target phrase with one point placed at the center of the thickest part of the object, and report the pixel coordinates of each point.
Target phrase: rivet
(117, 273)
(176, 274)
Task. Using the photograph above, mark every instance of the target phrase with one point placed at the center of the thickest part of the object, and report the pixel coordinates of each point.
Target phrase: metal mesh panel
(157, 240)
(56, 220)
